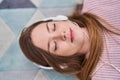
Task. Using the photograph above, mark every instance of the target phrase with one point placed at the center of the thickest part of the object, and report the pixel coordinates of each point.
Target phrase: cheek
(65, 49)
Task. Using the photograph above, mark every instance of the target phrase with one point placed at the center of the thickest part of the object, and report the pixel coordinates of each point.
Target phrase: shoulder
(90, 5)
(106, 9)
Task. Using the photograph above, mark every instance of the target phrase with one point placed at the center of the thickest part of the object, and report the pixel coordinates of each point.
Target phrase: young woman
(81, 44)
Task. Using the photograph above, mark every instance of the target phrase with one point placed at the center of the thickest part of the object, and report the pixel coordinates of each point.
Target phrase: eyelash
(55, 48)
(54, 27)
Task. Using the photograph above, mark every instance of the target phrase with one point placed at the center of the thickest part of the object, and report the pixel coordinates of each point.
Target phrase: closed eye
(55, 47)
(54, 25)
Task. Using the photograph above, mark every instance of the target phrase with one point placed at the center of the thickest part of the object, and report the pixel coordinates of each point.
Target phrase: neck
(86, 44)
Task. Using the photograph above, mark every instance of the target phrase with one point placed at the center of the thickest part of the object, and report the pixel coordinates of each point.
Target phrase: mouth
(71, 35)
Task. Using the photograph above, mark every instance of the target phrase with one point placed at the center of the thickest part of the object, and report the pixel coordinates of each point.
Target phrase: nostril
(64, 37)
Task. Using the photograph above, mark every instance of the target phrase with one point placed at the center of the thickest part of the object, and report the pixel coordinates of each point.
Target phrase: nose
(60, 36)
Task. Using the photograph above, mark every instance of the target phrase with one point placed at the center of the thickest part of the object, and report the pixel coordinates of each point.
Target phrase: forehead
(39, 36)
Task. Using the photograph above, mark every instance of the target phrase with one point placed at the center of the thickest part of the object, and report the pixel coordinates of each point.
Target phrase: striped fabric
(108, 67)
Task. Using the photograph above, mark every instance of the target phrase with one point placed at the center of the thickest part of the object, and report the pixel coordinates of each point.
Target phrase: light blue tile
(7, 37)
(16, 18)
(57, 3)
(14, 59)
(57, 11)
(18, 75)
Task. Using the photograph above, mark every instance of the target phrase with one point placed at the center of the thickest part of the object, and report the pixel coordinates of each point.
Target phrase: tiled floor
(14, 16)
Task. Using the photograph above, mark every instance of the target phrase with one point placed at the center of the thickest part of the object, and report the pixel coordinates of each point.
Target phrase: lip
(71, 35)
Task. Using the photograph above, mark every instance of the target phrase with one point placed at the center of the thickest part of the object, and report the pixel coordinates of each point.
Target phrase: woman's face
(62, 38)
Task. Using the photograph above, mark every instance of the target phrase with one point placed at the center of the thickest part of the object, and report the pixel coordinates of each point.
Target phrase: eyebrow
(47, 27)
(48, 46)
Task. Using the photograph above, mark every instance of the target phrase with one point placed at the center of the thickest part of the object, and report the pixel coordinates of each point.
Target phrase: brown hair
(76, 64)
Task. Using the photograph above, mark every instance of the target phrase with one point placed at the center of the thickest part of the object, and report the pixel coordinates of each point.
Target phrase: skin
(57, 34)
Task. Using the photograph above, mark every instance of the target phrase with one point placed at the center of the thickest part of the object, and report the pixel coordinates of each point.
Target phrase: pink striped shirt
(108, 67)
